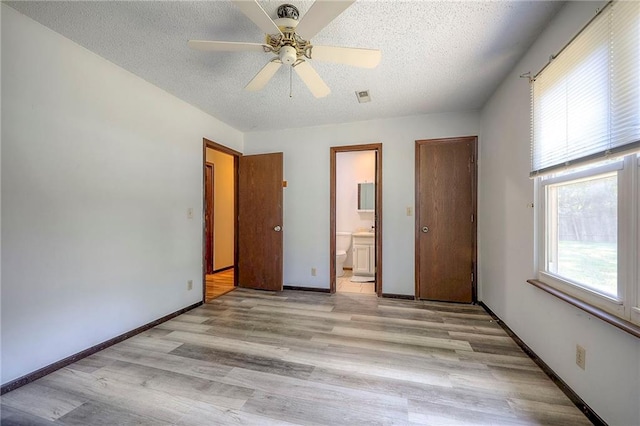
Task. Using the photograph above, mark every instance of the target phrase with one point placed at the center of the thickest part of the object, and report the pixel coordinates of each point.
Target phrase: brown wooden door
(208, 217)
(445, 219)
(260, 221)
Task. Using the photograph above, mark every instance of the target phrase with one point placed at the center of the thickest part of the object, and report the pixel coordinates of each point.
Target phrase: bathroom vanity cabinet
(364, 254)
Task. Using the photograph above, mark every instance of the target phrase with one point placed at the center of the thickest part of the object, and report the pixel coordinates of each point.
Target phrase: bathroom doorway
(356, 219)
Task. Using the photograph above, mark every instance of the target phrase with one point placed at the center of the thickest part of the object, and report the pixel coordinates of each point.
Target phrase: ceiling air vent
(363, 96)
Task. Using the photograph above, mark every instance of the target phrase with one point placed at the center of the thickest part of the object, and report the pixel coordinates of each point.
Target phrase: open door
(260, 182)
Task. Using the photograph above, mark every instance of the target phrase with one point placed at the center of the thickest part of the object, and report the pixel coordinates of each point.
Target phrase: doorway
(445, 232)
(364, 240)
(220, 210)
(256, 222)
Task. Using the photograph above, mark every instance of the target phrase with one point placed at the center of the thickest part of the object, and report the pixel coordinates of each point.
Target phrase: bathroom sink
(363, 234)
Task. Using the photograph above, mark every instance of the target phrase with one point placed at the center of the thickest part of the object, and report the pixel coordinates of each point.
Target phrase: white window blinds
(586, 101)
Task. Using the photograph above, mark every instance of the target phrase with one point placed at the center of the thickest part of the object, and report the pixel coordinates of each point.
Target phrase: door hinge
(473, 159)
(472, 277)
(472, 218)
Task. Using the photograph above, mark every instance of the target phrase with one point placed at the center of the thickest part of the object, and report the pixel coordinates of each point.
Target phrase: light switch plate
(581, 356)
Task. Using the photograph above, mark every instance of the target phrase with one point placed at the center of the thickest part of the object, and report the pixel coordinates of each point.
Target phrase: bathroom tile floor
(344, 285)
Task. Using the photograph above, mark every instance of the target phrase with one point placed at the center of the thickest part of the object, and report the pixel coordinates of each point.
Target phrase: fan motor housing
(288, 11)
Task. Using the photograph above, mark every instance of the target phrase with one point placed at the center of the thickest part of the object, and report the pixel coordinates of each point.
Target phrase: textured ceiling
(436, 56)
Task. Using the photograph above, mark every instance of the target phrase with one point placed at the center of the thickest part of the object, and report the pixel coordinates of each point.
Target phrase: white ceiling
(437, 56)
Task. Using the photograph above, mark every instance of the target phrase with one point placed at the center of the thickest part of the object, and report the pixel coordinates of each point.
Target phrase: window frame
(627, 305)
(634, 286)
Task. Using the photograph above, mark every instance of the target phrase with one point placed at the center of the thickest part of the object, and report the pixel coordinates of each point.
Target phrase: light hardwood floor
(262, 358)
(218, 284)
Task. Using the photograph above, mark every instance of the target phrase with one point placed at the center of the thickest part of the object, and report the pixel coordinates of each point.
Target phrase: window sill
(590, 309)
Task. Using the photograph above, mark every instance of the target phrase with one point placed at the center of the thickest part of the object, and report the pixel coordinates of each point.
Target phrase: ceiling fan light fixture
(288, 39)
(288, 55)
(363, 96)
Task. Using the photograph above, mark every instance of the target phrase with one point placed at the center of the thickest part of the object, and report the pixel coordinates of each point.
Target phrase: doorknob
(425, 229)
(277, 228)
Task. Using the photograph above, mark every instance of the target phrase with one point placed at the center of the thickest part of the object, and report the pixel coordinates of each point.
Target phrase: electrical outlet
(190, 285)
(313, 272)
(409, 211)
(581, 356)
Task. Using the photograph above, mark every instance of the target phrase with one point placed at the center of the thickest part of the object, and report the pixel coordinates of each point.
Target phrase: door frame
(334, 150)
(474, 205)
(206, 143)
(209, 213)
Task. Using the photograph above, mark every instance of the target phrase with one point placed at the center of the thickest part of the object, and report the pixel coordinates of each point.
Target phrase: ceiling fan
(290, 41)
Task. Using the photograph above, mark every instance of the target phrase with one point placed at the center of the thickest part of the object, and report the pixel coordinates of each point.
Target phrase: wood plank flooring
(262, 358)
(218, 284)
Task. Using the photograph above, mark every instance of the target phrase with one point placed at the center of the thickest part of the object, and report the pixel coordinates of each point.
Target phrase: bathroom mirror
(366, 197)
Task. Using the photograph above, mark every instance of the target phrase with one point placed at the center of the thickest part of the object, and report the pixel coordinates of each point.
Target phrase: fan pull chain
(291, 82)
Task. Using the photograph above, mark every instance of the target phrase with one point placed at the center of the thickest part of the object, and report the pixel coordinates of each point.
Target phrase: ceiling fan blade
(311, 78)
(363, 58)
(226, 46)
(255, 12)
(319, 15)
(263, 76)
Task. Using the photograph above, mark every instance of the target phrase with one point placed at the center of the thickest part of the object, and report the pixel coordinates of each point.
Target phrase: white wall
(223, 207)
(352, 168)
(98, 170)
(306, 199)
(552, 328)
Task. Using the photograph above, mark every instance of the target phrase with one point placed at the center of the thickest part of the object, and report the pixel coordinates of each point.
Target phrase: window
(586, 222)
(582, 231)
(585, 140)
